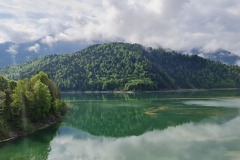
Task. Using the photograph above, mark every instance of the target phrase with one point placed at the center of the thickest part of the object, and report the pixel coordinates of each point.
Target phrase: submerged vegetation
(28, 104)
(131, 67)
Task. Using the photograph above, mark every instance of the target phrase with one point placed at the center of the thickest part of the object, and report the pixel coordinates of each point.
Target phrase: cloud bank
(167, 23)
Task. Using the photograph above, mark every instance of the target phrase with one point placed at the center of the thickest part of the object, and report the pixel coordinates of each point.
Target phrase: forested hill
(123, 66)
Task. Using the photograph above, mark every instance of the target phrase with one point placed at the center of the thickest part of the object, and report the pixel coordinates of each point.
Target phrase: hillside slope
(123, 66)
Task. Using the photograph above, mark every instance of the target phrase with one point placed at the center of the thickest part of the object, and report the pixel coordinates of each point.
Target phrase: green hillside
(123, 66)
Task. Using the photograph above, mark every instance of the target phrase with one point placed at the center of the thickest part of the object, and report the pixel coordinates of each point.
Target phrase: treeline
(123, 66)
(26, 103)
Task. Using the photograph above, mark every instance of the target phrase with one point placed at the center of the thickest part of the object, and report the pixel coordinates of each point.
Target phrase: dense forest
(131, 67)
(28, 104)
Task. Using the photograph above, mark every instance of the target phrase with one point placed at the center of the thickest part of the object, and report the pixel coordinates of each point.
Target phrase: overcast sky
(175, 24)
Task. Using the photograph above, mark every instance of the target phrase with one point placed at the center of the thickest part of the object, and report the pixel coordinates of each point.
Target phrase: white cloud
(35, 48)
(169, 23)
(48, 40)
(13, 49)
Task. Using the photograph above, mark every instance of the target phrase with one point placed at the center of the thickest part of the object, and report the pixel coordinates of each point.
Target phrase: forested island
(129, 67)
(28, 105)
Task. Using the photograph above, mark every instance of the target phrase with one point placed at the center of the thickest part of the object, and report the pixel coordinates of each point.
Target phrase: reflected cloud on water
(229, 103)
(186, 142)
(181, 129)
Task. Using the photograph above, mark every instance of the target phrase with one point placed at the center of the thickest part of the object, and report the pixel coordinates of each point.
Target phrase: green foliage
(4, 129)
(27, 102)
(59, 107)
(140, 84)
(42, 77)
(42, 99)
(2, 99)
(123, 66)
(4, 83)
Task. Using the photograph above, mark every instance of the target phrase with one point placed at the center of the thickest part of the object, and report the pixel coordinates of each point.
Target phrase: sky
(175, 24)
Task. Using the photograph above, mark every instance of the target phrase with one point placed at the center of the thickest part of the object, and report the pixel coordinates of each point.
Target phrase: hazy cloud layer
(13, 49)
(169, 23)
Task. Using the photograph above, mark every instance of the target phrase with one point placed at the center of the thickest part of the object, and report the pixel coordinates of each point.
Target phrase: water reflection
(171, 126)
(186, 142)
(118, 117)
(34, 147)
(228, 103)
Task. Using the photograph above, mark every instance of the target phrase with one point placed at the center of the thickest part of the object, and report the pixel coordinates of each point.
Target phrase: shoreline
(159, 91)
(16, 135)
(40, 126)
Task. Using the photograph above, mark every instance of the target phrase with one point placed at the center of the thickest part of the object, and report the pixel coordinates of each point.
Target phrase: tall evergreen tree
(42, 99)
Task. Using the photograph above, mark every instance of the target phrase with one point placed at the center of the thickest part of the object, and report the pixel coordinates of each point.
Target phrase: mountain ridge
(219, 55)
(14, 53)
(124, 66)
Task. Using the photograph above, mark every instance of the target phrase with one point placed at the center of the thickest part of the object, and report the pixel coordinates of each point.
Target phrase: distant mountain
(220, 55)
(123, 66)
(12, 53)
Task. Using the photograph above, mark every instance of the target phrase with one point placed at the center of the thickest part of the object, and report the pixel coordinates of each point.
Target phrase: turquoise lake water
(138, 126)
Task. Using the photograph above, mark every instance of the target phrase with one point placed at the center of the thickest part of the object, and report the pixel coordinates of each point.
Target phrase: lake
(138, 126)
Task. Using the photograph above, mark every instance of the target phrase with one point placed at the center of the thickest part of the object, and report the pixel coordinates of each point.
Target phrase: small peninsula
(28, 105)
